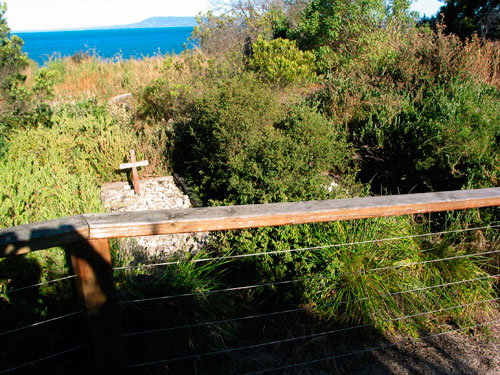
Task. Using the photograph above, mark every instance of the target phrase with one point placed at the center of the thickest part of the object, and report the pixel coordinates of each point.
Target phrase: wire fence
(39, 360)
(309, 308)
(278, 343)
(32, 286)
(54, 320)
(276, 252)
(305, 337)
(263, 323)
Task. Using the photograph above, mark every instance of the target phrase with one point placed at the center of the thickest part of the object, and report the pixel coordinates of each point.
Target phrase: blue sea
(108, 44)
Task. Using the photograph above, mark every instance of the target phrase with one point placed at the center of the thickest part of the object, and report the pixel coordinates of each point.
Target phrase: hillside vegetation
(281, 102)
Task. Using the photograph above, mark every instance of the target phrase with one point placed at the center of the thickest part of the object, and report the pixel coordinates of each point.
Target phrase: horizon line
(104, 27)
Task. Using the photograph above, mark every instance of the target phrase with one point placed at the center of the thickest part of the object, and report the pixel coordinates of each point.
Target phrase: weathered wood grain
(59, 232)
(142, 163)
(30, 237)
(147, 223)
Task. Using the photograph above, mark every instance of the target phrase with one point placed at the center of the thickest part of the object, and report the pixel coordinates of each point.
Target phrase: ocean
(108, 44)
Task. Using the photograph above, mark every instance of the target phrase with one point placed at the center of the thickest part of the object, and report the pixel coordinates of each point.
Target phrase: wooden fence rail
(86, 239)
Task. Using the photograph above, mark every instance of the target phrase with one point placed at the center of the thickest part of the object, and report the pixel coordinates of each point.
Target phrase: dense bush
(243, 146)
(422, 116)
(56, 172)
(337, 31)
(21, 104)
(280, 61)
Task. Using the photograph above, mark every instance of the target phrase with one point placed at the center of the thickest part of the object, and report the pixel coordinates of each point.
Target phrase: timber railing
(86, 239)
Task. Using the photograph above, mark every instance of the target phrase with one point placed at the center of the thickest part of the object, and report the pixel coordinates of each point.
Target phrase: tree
(233, 25)
(12, 61)
(336, 30)
(466, 17)
(20, 105)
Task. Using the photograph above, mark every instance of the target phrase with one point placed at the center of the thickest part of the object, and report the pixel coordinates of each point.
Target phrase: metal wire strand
(306, 308)
(42, 359)
(40, 323)
(217, 291)
(302, 249)
(309, 278)
(307, 336)
(39, 284)
(364, 351)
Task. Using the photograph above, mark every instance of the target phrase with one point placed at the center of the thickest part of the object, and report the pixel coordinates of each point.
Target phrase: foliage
(20, 104)
(164, 99)
(196, 280)
(216, 34)
(230, 34)
(243, 146)
(422, 115)
(78, 78)
(56, 172)
(364, 282)
(280, 61)
(13, 60)
(182, 79)
(337, 31)
(466, 17)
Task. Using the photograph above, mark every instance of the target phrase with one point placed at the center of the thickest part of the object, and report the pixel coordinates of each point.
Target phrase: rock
(159, 193)
(124, 101)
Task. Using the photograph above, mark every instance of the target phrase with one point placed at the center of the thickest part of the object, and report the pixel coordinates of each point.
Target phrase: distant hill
(152, 22)
(159, 22)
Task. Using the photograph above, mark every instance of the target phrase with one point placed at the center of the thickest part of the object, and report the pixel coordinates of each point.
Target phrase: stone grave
(159, 193)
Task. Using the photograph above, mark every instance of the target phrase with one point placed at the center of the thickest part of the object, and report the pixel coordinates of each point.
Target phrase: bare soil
(472, 351)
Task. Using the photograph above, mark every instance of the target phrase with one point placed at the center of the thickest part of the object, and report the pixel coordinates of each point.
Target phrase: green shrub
(21, 105)
(422, 118)
(164, 99)
(56, 172)
(336, 32)
(281, 62)
(243, 146)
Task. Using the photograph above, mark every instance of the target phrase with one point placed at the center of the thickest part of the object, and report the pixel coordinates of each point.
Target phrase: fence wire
(275, 252)
(40, 323)
(310, 336)
(320, 277)
(42, 359)
(40, 284)
(368, 350)
(306, 308)
(285, 282)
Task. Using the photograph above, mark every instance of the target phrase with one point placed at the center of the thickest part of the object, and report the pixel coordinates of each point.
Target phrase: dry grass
(83, 76)
(103, 79)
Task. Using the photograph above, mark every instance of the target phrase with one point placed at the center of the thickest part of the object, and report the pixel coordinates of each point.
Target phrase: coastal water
(119, 43)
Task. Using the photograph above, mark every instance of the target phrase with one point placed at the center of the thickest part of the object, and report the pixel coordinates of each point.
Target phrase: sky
(427, 7)
(24, 15)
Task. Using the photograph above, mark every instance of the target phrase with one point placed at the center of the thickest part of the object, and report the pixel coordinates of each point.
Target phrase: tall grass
(352, 278)
(92, 76)
(368, 282)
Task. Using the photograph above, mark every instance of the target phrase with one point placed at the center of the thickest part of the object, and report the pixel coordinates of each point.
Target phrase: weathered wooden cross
(134, 164)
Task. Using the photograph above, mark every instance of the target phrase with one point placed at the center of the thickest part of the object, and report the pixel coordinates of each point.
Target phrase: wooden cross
(134, 164)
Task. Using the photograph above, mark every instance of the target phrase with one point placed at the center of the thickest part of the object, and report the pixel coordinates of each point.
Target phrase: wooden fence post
(91, 261)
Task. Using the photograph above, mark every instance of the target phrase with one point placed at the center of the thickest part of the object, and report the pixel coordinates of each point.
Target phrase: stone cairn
(159, 193)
